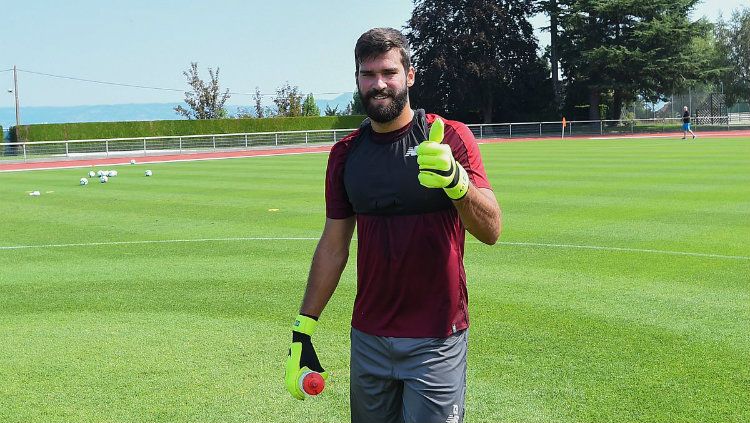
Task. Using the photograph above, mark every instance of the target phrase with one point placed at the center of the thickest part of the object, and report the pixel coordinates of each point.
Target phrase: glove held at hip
(302, 357)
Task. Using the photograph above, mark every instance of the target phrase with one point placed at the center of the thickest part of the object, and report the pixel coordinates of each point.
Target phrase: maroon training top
(410, 274)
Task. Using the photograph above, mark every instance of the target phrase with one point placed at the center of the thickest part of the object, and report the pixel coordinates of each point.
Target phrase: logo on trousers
(453, 417)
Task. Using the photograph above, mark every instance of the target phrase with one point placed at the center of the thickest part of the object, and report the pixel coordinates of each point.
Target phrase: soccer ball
(103, 179)
(112, 173)
(148, 173)
(132, 161)
(100, 173)
(85, 181)
(92, 174)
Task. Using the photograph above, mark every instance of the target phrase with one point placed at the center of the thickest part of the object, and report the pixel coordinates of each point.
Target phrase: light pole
(15, 91)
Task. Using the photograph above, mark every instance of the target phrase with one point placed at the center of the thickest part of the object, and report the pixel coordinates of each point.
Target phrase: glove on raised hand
(438, 168)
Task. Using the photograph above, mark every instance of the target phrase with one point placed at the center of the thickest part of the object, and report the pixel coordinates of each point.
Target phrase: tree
(244, 113)
(205, 99)
(331, 111)
(732, 43)
(348, 111)
(309, 108)
(269, 112)
(550, 8)
(258, 98)
(477, 59)
(615, 50)
(356, 105)
(288, 101)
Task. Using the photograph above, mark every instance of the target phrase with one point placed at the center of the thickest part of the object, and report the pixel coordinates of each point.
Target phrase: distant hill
(123, 112)
(92, 113)
(341, 101)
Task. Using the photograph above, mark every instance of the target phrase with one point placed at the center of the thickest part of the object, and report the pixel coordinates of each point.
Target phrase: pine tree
(613, 51)
(309, 108)
(331, 111)
(356, 105)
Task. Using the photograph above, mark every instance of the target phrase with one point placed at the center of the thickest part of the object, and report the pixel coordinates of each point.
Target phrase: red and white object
(311, 383)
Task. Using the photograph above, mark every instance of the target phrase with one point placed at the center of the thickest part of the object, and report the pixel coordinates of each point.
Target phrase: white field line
(632, 250)
(156, 241)
(520, 244)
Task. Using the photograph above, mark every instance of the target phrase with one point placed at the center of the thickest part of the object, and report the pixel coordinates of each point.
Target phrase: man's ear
(410, 75)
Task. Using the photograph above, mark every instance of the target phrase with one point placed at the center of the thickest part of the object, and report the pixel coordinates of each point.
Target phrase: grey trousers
(407, 380)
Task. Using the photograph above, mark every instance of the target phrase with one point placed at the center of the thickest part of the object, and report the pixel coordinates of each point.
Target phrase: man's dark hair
(379, 41)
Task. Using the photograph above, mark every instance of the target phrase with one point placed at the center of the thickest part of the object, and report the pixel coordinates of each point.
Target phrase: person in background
(686, 123)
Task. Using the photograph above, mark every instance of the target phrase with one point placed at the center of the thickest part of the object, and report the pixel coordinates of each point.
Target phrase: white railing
(148, 146)
(601, 127)
(741, 118)
(151, 146)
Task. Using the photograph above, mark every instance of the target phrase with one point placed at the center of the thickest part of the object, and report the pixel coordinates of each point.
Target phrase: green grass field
(620, 291)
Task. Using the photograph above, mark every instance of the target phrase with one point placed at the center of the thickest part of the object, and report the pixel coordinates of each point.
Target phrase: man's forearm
(325, 273)
(480, 214)
(327, 265)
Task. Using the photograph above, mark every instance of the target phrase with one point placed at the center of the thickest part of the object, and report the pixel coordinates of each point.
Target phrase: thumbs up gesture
(438, 168)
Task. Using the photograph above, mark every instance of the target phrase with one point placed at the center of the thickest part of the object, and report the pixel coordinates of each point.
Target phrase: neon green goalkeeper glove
(302, 357)
(438, 168)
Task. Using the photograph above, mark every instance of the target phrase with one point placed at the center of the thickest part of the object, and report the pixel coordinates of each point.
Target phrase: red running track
(140, 159)
(63, 164)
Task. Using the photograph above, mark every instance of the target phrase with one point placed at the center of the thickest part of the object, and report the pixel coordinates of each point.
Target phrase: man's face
(384, 85)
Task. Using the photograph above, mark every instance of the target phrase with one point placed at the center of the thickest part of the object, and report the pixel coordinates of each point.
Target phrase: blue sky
(151, 42)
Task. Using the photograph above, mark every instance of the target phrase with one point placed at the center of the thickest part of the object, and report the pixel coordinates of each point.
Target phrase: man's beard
(387, 112)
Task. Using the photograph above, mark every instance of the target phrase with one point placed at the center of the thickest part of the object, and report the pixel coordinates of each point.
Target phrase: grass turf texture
(198, 331)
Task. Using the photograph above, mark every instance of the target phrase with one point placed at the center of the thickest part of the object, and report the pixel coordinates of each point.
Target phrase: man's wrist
(458, 188)
(305, 324)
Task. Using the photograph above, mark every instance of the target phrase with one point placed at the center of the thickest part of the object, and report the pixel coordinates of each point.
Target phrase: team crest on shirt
(411, 151)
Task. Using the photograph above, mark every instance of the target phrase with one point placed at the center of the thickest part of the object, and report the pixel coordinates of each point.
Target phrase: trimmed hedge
(165, 128)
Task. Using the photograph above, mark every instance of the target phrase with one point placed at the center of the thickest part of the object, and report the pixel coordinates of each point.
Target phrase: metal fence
(153, 146)
(608, 127)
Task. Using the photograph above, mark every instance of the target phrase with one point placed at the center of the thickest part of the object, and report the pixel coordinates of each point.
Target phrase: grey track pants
(407, 380)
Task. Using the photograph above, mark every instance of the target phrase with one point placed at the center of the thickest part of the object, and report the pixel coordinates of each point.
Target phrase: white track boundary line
(635, 137)
(520, 244)
(143, 163)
